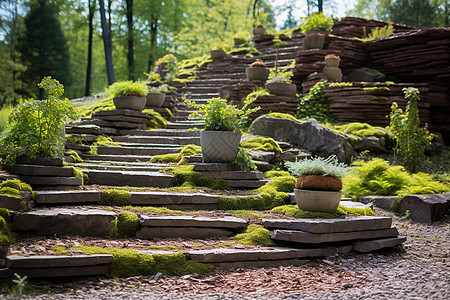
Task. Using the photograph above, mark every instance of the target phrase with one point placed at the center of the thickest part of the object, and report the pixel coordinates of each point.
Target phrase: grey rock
(9, 202)
(130, 178)
(261, 155)
(53, 261)
(361, 75)
(181, 232)
(371, 143)
(33, 170)
(384, 202)
(369, 246)
(263, 166)
(308, 135)
(247, 184)
(122, 112)
(362, 223)
(44, 161)
(426, 208)
(199, 167)
(354, 204)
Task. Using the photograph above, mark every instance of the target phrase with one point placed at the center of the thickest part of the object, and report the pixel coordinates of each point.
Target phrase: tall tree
(92, 5)
(44, 47)
(107, 44)
(129, 14)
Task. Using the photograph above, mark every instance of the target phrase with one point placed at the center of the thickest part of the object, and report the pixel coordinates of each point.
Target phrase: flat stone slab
(216, 167)
(247, 184)
(52, 181)
(426, 208)
(137, 151)
(362, 223)
(68, 197)
(56, 261)
(123, 119)
(273, 253)
(384, 202)
(182, 232)
(11, 203)
(234, 175)
(122, 112)
(369, 246)
(167, 198)
(158, 139)
(190, 221)
(63, 272)
(317, 238)
(346, 202)
(33, 170)
(91, 222)
(44, 161)
(92, 129)
(130, 178)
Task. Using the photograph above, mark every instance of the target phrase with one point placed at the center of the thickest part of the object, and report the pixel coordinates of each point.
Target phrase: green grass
(247, 213)
(158, 210)
(255, 235)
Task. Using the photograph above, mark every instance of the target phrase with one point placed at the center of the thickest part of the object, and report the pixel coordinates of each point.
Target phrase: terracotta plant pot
(130, 102)
(313, 41)
(155, 99)
(259, 30)
(332, 62)
(219, 146)
(318, 183)
(217, 54)
(318, 201)
(333, 74)
(257, 73)
(282, 89)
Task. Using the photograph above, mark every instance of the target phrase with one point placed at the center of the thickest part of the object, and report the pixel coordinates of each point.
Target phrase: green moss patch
(79, 174)
(255, 235)
(293, 210)
(185, 176)
(262, 143)
(361, 129)
(282, 116)
(115, 197)
(106, 141)
(157, 120)
(16, 184)
(251, 213)
(272, 194)
(191, 149)
(125, 225)
(6, 234)
(176, 157)
(158, 210)
(274, 173)
(76, 158)
(11, 192)
(127, 263)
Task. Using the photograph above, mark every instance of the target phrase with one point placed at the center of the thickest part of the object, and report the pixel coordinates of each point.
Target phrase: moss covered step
(40, 181)
(89, 222)
(171, 200)
(160, 132)
(150, 168)
(137, 151)
(116, 158)
(92, 129)
(178, 140)
(188, 227)
(68, 197)
(265, 257)
(59, 266)
(361, 223)
(129, 178)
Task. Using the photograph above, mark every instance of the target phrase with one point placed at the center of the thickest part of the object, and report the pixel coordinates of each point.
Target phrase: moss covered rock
(125, 225)
(115, 197)
(16, 184)
(6, 234)
(255, 235)
(262, 143)
(157, 121)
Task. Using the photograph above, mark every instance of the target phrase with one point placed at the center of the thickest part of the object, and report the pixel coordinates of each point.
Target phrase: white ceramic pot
(219, 146)
(318, 201)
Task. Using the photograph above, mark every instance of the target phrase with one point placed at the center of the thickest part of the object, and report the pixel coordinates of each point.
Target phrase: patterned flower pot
(219, 146)
(313, 41)
(217, 54)
(257, 73)
(155, 99)
(130, 102)
(318, 201)
(333, 74)
(282, 89)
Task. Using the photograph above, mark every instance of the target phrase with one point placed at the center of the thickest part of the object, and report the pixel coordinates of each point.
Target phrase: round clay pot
(219, 146)
(318, 201)
(130, 102)
(282, 89)
(257, 73)
(332, 62)
(155, 99)
(333, 74)
(217, 54)
(318, 183)
(313, 41)
(259, 30)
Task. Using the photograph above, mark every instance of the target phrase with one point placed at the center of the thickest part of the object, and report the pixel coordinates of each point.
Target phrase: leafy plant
(314, 105)
(316, 20)
(128, 88)
(280, 76)
(219, 116)
(412, 141)
(329, 166)
(36, 125)
(163, 88)
(244, 160)
(379, 32)
(171, 64)
(5, 111)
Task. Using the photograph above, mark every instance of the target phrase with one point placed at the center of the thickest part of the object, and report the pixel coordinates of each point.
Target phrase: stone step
(62, 221)
(34, 170)
(122, 163)
(362, 223)
(247, 184)
(180, 125)
(317, 238)
(129, 178)
(188, 227)
(373, 245)
(10, 203)
(199, 95)
(171, 199)
(59, 266)
(119, 168)
(68, 197)
(116, 158)
(162, 132)
(137, 151)
(149, 145)
(40, 181)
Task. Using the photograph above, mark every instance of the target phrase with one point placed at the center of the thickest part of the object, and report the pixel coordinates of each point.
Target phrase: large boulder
(426, 208)
(307, 135)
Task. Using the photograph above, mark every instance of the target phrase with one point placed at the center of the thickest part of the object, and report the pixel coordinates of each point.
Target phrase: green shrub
(412, 141)
(115, 197)
(379, 32)
(314, 105)
(6, 235)
(244, 160)
(262, 143)
(316, 20)
(16, 184)
(157, 121)
(128, 88)
(274, 173)
(128, 263)
(255, 235)
(125, 225)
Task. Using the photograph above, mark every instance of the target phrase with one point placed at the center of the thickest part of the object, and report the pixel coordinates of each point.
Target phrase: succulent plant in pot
(129, 95)
(257, 71)
(280, 83)
(319, 184)
(156, 95)
(221, 135)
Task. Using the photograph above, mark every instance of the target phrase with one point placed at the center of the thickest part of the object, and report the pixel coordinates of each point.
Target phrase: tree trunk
(153, 36)
(109, 14)
(107, 44)
(87, 89)
(320, 5)
(129, 13)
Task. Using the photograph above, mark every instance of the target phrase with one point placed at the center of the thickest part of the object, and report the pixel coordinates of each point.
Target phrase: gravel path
(419, 270)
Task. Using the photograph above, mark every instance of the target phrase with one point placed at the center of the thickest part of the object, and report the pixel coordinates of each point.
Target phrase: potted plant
(129, 95)
(218, 50)
(332, 60)
(240, 40)
(258, 28)
(318, 187)
(221, 135)
(156, 95)
(257, 71)
(332, 70)
(316, 28)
